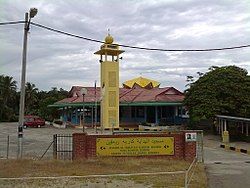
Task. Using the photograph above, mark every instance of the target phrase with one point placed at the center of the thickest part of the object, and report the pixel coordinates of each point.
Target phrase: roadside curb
(127, 129)
(228, 147)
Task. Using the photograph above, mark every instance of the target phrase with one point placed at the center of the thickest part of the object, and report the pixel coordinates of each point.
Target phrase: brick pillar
(190, 150)
(179, 146)
(79, 146)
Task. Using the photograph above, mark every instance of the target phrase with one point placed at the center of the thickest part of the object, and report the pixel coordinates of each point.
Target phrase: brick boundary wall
(84, 145)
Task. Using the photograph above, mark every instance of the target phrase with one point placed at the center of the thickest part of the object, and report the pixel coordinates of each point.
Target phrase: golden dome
(109, 39)
(142, 82)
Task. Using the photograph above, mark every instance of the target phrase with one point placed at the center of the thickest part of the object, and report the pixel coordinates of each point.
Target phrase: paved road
(227, 169)
(35, 142)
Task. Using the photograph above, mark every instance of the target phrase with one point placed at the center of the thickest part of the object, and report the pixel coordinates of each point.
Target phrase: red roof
(166, 94)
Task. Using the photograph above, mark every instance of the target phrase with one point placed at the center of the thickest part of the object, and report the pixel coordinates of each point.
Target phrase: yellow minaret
(109, 60)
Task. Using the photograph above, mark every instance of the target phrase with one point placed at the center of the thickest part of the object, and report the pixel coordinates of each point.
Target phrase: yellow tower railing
(109, 60)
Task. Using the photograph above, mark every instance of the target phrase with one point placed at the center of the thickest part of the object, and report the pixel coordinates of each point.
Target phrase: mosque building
(139, 101)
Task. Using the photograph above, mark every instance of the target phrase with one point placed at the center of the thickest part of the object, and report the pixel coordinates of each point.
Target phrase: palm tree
(7, 96)
(31, 98)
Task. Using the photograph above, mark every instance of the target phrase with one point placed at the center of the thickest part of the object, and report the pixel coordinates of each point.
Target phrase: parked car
(33, 121)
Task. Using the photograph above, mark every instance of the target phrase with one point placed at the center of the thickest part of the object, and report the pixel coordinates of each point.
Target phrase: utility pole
(84, 92)
(83, 112)
(28, 16)
(95, 109)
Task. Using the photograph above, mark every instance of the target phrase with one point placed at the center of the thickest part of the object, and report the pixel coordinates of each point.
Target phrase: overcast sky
(55, 60)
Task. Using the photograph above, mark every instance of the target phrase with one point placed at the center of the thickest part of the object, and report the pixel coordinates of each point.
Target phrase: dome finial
(109, 39)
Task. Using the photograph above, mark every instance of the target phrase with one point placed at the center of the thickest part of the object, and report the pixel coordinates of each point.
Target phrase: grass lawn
(31, 168)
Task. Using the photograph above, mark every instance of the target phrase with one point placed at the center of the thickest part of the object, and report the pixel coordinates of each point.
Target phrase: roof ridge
(137, 95)
(167, 88)
(125, 92)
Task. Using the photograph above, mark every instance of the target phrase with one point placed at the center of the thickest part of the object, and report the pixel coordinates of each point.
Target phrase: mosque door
(150, 114)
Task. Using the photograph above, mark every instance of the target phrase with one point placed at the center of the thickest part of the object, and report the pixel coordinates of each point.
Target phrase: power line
(127, 46)
(186, 50)
(65, 33)
(141, 48)
(12, 23)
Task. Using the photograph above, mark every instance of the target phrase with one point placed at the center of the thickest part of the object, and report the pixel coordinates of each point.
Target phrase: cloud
(55, 60)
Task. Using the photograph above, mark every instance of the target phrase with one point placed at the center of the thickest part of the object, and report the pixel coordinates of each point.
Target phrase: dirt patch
(31, 168)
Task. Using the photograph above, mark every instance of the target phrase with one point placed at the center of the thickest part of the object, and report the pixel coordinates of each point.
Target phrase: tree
(46, 112)
(31, 99)
(222, 90)
(7, 88)
(48, 98)
(7, 98)
(36, 102)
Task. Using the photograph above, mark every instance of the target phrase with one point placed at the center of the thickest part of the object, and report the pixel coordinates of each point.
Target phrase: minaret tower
(109, 60)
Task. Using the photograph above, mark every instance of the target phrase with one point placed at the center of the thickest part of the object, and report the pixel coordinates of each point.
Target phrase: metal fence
(199, 146)
(187, 175)
(5, 147)
(32, 148)
(62, 146)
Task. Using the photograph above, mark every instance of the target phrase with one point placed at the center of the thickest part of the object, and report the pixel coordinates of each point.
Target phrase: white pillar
(92, 116)
(225, 125)
(247, 129)
(222, 122)
(219, 125)
(156, 115)
(176, 111)
(219, 121)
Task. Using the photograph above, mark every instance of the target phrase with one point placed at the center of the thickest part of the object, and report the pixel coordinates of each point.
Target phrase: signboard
(135, 146)
(190, 137)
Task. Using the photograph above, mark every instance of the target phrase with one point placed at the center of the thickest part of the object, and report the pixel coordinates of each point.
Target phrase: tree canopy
(7, 97)
(222, 90)
(36, 101)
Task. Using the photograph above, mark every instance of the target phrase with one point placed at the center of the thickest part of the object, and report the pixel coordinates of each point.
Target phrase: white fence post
(186, 179)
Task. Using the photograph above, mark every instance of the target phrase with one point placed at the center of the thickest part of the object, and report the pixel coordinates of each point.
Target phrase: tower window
(112, 78)
(112, 98)
(112, 117)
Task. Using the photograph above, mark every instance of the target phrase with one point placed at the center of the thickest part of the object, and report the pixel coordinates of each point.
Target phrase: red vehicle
(33, 121)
